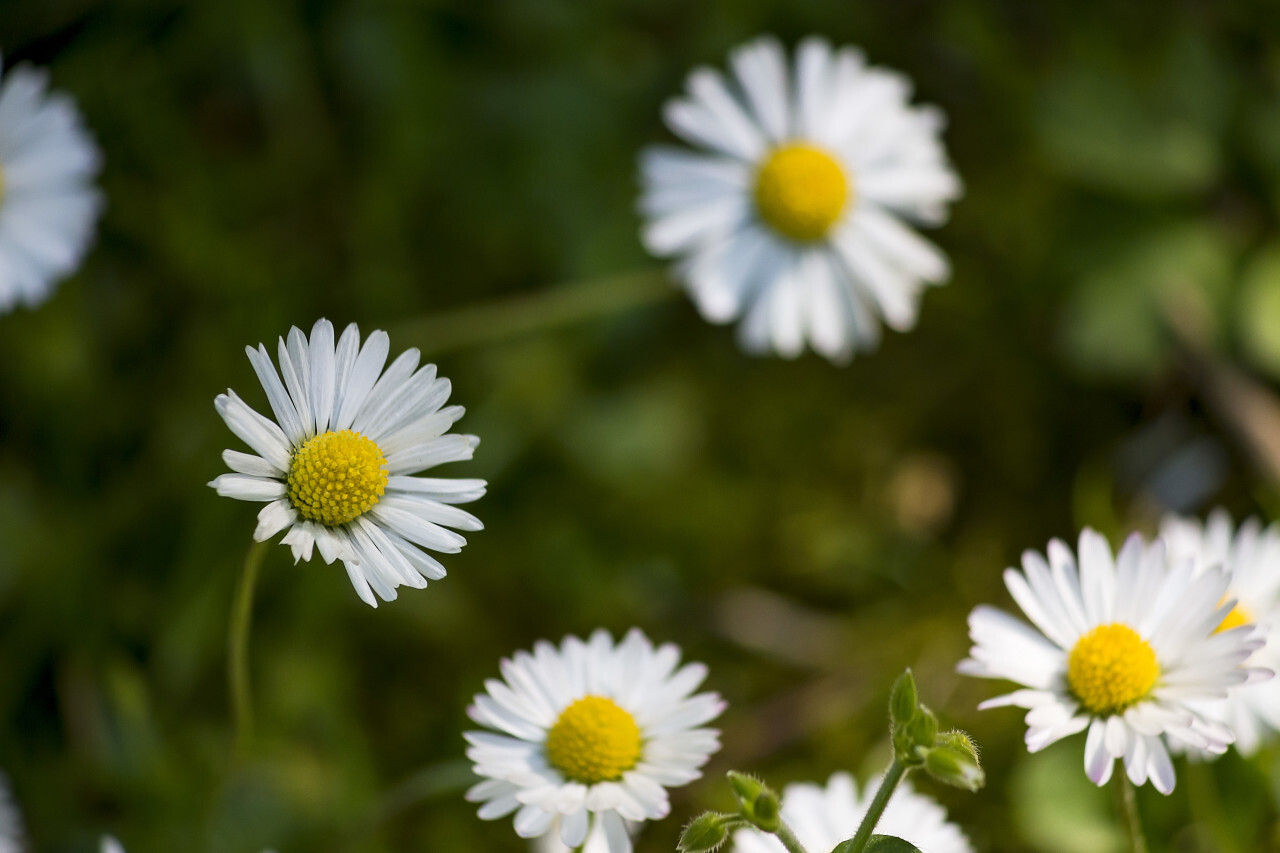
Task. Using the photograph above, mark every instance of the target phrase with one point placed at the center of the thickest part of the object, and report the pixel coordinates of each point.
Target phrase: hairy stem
(868, 826)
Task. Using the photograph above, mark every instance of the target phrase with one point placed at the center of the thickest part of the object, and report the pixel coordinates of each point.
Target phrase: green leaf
(880, 844)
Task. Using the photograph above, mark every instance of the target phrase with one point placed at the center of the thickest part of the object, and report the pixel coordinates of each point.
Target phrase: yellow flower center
(1110, 668)
(1237, 617)
(593, 740)
(337, 477)
(801, 191)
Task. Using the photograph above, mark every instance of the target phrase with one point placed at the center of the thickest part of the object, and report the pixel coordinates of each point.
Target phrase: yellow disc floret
(1237, 617)
(593, 740)
(1111, 668)
(337, 477)
(801, 191)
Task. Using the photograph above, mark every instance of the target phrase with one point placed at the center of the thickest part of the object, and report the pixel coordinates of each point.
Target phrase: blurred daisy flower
(47, 206)
(1123, 646)
(791, 214)
(589, 736)
(10, 820)
(1251, 558)
(335, 466)
(821, 818)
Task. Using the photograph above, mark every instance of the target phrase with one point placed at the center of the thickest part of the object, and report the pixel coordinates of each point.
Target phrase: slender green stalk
(549, 308)
(238, 645)
(788, 839)
(1133, 822)
(868, 826)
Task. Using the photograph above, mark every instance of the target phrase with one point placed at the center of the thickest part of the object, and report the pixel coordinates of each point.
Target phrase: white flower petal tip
(582, 741)
(337, 464)
(1131, 646)
(48, 206)
(790, 214)
(822, 817)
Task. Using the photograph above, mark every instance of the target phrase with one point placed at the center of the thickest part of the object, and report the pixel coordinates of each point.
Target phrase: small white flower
(791, 214)
(47, 206)
(1251, 557)
(821, 818)
(334, 467)
(10, 820)
(590, 736)
(1123, 647)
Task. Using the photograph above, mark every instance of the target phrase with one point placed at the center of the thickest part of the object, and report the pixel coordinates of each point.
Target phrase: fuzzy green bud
(705, 833)
(954, 761)
(922, 731)
(765, 811)
(903, 699)
(746, 787)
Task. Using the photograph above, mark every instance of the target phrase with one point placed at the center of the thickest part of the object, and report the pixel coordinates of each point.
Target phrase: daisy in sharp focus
(1122, 646)
(335, 467)
(791, 215)
(47, 206)
(1251, 558)
(589, 736)
(821, 818)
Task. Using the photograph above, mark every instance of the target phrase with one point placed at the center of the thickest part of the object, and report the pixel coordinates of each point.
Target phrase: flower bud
(746, 787)
(922, 732)
(954, 761)
(765, 811)
(903, 699)
(705, 833)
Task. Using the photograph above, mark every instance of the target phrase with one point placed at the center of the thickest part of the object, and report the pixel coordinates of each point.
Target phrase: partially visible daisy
(1122, 646)
(47, 206)
(589, 736)
(1251, 557)
(335, 466)
(791, 215)
(10, 820)
(821, 818)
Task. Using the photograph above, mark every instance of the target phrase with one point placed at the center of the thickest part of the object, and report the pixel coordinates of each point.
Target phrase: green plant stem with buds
(868, 826)
(238, 646)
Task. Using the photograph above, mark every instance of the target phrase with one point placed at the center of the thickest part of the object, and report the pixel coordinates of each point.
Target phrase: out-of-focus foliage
(806, 530)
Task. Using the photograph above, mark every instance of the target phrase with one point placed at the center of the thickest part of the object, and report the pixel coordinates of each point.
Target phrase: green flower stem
(788, 839)
(1133, 823)
(238, 645)
(868, 826)
(512, 316)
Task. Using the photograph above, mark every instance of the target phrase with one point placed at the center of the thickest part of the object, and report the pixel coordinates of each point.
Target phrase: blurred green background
(1105, 351)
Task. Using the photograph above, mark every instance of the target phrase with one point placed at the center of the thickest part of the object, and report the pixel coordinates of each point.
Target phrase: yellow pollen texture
(1237, 617)
(593, 740)
(801, 191)
(337, 477)
(1111, 668)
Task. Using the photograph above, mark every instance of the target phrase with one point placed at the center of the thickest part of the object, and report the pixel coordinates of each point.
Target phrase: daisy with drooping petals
(335, 467)
(589, 736)
(791, 216)
(1251, 558)
(821, 818)
(1123, 646)
(47, 207)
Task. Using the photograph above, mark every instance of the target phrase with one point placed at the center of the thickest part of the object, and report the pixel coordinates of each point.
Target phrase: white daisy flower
(821, 818)
(590, 736)
(10, 820)
(335, 466)
(791, 214)
(47, 206)
(1251, 557)
(1123, 647)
